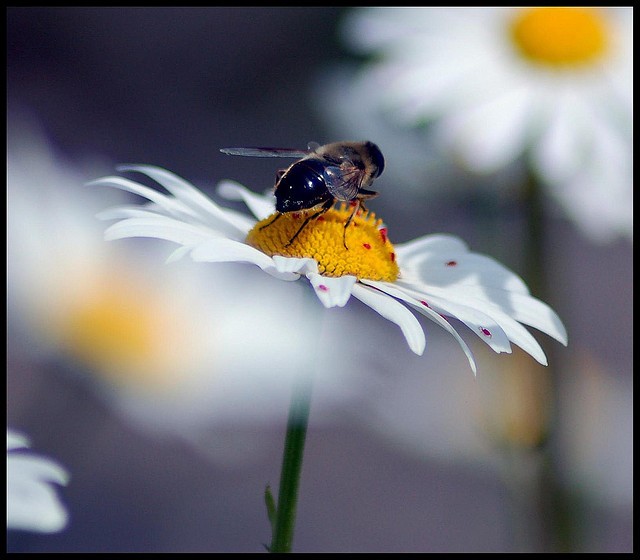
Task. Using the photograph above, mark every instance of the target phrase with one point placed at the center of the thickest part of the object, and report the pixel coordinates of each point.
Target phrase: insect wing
(343, 184)
(265, 152)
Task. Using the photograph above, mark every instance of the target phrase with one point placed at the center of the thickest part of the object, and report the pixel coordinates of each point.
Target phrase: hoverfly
(323, 175)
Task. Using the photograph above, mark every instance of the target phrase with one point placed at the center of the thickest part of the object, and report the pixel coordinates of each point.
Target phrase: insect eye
(376, 157)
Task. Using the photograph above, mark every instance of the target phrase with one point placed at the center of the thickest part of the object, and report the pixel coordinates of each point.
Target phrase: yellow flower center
(560, 37)
(124, 332)
(369, 253)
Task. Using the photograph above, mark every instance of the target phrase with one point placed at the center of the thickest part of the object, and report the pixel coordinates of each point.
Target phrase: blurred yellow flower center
(369, 254)
(122, 332)
(560, 37)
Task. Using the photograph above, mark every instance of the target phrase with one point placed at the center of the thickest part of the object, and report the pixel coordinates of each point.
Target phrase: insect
(340, 171)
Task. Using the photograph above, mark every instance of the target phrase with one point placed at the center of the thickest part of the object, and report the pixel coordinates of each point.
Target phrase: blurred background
(403, 453)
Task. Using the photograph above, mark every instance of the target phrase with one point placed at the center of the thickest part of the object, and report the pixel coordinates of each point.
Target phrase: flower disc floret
(560, 36)
(369, 253)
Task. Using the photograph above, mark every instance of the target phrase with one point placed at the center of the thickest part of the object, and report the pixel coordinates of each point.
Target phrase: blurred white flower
(163, 343)
(435, 275)
(495, 85)
(438, 414)
(33, 503)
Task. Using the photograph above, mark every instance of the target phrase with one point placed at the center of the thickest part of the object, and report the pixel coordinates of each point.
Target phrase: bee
(324, 175)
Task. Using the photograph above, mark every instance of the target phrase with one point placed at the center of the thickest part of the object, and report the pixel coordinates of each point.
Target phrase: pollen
(560, 37)
(369, 253)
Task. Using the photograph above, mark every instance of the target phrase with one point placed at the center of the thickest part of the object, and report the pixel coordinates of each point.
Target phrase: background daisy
(33, 503)
(549, 87)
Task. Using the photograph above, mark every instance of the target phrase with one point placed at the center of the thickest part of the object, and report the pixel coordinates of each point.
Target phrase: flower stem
(534, 241)
(555, 505)
(285, 517)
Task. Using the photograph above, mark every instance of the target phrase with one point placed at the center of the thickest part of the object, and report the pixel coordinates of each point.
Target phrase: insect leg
(328, 204)
(274, 219)
(366, 193)
(356, 207)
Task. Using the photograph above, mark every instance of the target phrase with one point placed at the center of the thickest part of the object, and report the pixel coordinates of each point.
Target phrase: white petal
(36, 467)
(482, 324)
(295, 264)
(36, 509)
(32, 503)
(261, 206)
(490, 135)
(479, 316)
(179, 253)
(16, 440)
(242, 221)
(519, 335)
(191, 197)
(151, 210)
(128, 211)
(160, 227)
(599, 197)
(433, 243)
(522, 307)
(390, 309)
(412, 98)
(331, 291)
(168, 204)
(369, 29)
(560, 150)
(227, 250)
(427, 312)
(473, 269)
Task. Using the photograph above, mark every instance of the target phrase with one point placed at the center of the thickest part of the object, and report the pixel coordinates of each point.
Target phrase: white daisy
(552, 85)
(436, 275)
(32, 500)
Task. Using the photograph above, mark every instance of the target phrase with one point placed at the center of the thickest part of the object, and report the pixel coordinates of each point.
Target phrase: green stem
(534, 240)
(292, 466)
(554, 503)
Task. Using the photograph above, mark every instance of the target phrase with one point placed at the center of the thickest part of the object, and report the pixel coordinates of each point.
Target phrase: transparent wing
(343, 182)
(266, 152)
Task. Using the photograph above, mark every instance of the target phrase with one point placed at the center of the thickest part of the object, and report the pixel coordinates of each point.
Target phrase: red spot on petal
(322, 288)
(485, 332)
(320, 218)
(383, 234)
(451, 263)
(393, 257)
(424, 303)
(366, 245)
(295, 215)
(353, 203)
